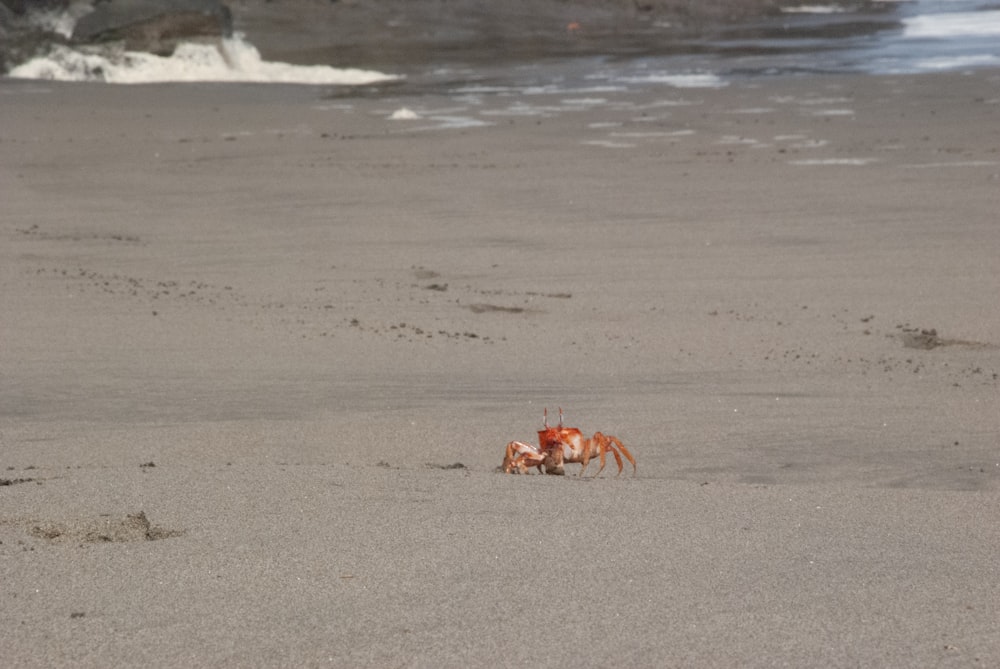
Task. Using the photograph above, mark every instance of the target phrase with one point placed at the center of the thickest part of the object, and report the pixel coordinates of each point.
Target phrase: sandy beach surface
(262, 348)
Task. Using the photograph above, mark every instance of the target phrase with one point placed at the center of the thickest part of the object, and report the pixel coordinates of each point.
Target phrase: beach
(263, 347)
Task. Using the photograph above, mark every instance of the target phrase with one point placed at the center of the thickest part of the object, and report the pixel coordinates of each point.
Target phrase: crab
(559, 445)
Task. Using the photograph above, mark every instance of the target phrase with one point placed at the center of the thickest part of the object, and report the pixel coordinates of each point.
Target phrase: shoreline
(385, 34)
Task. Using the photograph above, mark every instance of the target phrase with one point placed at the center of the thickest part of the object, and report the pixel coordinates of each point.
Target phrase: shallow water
(886, 37)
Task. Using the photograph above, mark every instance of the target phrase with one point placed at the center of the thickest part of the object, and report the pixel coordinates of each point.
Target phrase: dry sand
(262, 348)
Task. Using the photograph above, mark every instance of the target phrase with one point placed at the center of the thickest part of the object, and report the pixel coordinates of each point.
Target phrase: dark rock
(21, 37)
(24, 6)
(156, 26)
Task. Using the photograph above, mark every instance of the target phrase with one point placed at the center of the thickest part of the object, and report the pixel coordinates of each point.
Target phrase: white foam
(584, 102)
(813, 9)
(449, 122)
(945, 63)
(677, 80)
(233, 60)
(404, 114)
(953, 24)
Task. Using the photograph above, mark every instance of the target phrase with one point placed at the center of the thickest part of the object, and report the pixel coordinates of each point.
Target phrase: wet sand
(393, 34)
(263, 348)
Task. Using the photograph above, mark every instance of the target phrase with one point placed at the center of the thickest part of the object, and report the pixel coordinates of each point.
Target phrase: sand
(262, 348)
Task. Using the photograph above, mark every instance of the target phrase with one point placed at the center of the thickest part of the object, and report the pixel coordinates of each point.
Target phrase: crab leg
(519, 457)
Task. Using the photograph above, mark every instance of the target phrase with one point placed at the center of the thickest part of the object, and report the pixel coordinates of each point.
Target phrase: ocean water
(939, 35)
(890, 37)
(898, 37)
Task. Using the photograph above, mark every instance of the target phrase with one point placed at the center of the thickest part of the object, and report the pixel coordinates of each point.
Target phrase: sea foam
(814, 9)
(953, 24)
(228, 60)
(705, 80)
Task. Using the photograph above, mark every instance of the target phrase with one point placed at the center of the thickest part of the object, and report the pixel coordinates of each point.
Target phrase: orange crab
(559, 445)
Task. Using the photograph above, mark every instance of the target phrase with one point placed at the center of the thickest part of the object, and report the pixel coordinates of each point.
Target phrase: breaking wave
(227, 60)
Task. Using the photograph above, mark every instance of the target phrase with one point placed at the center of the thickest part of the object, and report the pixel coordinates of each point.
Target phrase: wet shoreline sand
(263, 347)
(415, 38)
(390, 33)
